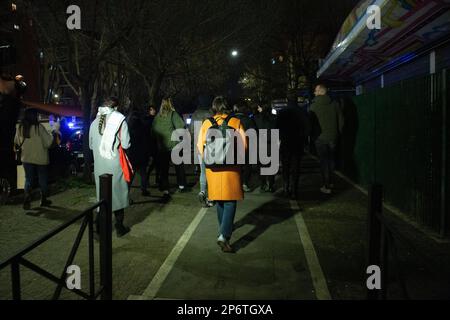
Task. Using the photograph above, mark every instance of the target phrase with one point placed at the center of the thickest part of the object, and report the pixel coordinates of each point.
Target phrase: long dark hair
(30, 119)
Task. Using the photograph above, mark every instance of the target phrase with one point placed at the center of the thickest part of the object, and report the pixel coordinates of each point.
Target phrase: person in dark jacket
(292, 123)
(265, 120)
(330, 121)
(243, 112)
(153, 163)
(139, 152)
(10, 106)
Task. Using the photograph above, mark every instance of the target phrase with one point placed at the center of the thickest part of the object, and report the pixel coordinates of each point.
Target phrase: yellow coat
(223, 184)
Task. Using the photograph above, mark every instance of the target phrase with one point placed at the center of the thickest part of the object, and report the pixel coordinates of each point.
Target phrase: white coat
(120, 191)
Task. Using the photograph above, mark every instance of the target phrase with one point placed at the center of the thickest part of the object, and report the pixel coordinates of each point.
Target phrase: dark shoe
(225, 246)
(27, 202)
(325, 190)
(166, 198)
(121, 230)
(203, 199)
(271, 189)
(45, 202)
(145, 193)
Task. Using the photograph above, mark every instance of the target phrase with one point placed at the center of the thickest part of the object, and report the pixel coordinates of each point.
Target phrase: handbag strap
(120, 136)
(23, 141)
(21, 145)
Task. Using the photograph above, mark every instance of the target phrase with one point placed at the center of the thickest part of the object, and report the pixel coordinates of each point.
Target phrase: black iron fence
(382, 246)
(105, 243)
(398, 136)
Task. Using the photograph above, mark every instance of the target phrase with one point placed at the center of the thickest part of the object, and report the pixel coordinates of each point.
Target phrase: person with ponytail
(107, 133)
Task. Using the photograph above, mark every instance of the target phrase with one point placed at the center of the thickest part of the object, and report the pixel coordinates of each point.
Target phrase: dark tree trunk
(139, 94)
(156, 87)
(87, 116)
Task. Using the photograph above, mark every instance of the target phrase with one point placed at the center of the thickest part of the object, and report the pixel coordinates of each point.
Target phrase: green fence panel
(398, 143)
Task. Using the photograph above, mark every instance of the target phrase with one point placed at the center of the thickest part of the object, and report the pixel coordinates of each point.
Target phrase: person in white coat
(107, 132)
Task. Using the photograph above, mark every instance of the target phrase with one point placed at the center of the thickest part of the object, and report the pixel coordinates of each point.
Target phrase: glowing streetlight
(234, 53)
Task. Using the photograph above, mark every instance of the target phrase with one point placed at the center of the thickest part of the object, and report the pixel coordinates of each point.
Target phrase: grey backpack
(220, 148)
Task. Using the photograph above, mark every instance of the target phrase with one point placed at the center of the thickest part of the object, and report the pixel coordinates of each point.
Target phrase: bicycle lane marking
(158, 280)
(317, 276)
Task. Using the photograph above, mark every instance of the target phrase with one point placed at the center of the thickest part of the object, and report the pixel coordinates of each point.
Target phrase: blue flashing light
(396, 62)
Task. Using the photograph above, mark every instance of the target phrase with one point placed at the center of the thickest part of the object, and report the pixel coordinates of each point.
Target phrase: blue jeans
(203, 182)
(30, 173)
(226, 211)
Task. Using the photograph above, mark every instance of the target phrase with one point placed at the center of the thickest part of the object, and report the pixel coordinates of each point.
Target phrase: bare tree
(82, 57)
(182, 46)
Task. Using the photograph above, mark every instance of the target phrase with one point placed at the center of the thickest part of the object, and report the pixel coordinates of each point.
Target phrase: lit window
(13, 7)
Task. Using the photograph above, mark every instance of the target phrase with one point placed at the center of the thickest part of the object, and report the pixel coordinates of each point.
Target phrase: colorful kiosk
(396, 131)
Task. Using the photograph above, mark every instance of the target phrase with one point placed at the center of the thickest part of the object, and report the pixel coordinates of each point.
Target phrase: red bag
(125, 163)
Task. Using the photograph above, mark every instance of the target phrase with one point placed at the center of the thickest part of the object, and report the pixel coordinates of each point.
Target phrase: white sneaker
(325, 190)
(221, 238)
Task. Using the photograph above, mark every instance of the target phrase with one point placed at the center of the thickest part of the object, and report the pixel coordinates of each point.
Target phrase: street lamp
(234, 53)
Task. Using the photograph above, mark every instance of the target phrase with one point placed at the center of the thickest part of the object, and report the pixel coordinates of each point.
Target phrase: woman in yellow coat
(224, 183)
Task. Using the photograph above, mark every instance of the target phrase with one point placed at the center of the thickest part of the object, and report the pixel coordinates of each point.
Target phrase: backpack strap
(230, 116)
(213, 121)
(225, 122)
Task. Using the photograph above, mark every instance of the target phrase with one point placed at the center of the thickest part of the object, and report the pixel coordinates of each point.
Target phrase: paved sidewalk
(171, 252)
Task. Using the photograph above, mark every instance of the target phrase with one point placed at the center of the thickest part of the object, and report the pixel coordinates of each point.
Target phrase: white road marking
(167, 266)
(318, 279)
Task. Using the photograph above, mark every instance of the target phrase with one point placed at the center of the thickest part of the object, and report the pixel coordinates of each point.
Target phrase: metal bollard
(105, 218)
(375, 232)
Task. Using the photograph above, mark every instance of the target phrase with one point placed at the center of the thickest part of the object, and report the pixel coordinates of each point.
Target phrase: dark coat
(329, 118)
(266, 120)
(247, 121)
(200, 115)
(9, 113)
(140, 137)
(293, 124)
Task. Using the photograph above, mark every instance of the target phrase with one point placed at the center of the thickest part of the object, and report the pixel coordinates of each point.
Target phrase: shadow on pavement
(262, 218)
(53, 213)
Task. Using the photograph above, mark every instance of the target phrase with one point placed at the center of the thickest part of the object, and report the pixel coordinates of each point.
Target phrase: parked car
(74, 147)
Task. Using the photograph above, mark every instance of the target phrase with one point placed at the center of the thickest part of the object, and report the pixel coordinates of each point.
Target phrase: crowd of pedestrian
(141, 142)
